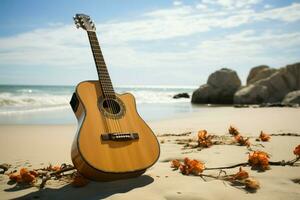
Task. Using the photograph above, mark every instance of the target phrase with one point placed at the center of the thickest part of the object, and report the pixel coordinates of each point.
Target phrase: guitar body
(132, 146)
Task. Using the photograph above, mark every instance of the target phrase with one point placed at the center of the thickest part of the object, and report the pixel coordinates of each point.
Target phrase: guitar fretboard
(102, 71)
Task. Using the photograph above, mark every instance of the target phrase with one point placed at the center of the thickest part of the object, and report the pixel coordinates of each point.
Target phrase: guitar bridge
(119, 136)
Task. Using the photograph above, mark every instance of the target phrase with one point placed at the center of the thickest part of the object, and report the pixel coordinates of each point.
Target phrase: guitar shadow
(94, 190)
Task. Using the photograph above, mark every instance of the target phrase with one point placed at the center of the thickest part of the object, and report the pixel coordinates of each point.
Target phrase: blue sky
(145, 42)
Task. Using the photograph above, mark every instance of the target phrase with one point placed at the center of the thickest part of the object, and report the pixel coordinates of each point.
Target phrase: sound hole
(111, 106)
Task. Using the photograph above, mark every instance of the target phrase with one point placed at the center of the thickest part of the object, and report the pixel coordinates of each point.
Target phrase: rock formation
(268, 85)
(292, 97)
(219, 89)
(181, 95)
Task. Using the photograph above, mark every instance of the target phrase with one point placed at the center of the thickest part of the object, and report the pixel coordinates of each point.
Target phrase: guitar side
(110, 160)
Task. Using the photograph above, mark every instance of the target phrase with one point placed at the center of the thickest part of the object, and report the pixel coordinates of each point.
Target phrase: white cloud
(186, 20)
(177, 3)
(231, 4)
(201, 6)
(122, 41)
(56, 46)
(267, 6)
(288, 14)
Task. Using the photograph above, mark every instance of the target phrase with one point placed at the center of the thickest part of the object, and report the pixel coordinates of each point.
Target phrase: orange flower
(175, 164)
(184, 169)
(202, 134)
(264, 136)
(259, 159)
(233, 131)
(26, 176)
(15, 177)
(23, 171)
(204, 140)
(196, 167)
(23, 176)
(297, 150)
(192, 167)
(241, 175)
(240, 139)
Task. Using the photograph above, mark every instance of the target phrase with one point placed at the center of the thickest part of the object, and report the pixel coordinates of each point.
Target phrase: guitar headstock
(84, 21)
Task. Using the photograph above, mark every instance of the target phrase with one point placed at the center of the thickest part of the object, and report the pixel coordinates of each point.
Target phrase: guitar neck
(104, 78)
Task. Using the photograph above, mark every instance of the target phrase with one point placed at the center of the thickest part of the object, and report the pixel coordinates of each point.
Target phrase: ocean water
(28, 104)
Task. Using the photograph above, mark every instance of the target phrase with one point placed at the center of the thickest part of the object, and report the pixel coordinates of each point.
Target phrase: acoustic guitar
(112, 142)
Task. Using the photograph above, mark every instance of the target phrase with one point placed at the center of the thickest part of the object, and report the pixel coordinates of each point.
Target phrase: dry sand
(36, 146)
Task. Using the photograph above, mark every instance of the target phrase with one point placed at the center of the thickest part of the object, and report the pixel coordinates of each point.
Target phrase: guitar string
(110, 101)
(111, 105)
(90, 37)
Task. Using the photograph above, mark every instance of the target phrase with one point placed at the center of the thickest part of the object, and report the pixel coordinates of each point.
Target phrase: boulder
(292, 97)
(262, 74)
(219, 89)
(181, 95)
(224, 79)
(272, 88)
(254, 71)
(203, 94)
(252, 94)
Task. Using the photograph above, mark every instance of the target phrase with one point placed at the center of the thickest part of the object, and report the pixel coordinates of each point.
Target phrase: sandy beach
(35, 146)
(218, 82)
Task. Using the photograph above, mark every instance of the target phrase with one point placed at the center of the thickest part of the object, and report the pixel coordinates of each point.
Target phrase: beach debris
(241, 174)
(24, 176)
(175, 164)
(4, 167)
(192, 167)
(297, 151)
(179, 134)
(52, 168)
(252, 184)
(204, 140)
(242, 178)
(233, 131)
(188, 166)
(241, 141)
(227, 167)
(264, 137)
(32, 177)
(259, 160)
(15, 177)
(238, 137)
(286, 134)
(195, 167)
